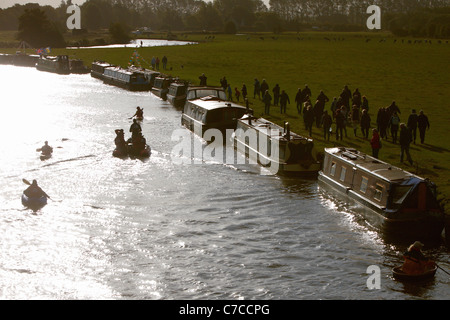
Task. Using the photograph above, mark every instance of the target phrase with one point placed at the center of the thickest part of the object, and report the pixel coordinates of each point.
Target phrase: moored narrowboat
(98, 68)
(126, 79)
(56, 64)
(177, 93)
(148, 74)
(276, 147)
(77, 66)
(211, 112)
(394, 201)
(160, 86)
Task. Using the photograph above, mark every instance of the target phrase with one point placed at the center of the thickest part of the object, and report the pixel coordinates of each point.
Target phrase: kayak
(400, 275)
(34, 203)
(45, 156)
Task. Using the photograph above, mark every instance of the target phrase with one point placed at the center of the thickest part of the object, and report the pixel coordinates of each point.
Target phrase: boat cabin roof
(372, 165)
(270, 128)
(210, 103)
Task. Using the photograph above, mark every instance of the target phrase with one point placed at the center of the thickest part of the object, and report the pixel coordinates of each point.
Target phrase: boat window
(378, 192)
(333, 169)
(364, 182)
(399, 194)
(343, 172)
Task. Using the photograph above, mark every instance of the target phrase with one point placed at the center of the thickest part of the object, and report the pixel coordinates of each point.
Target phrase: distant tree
(230, 27)
(119, 33)
(38, 31)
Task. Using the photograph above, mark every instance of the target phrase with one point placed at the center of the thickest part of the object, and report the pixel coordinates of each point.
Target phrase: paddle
(441, 269)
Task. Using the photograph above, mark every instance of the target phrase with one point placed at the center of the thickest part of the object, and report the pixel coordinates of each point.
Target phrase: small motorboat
(34, 203)
(400, 275)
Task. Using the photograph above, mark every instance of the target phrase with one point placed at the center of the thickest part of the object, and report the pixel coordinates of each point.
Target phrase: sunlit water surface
(155, 229)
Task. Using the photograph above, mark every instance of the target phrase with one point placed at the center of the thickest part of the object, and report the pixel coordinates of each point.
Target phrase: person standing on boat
(34, 191)
(405, 141)
(415, 262)
(267, 99)
(135, 128)
(46, 149)
(284, 100)
(375, 143)
(203, 80)
(423, 124)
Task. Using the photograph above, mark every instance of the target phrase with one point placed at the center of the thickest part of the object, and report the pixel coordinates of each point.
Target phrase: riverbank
(413, 72)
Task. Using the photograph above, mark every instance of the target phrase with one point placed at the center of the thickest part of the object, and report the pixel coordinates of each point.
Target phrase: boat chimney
(288, 131)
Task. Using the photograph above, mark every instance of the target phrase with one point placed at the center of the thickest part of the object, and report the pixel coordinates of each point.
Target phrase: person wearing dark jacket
(327, 121)
(299, 100)
(284, 100)
(340, 124)
(423, 124)
(276, 94)
(405, 141)
(308, 118)
(412, 124)
(365, 123)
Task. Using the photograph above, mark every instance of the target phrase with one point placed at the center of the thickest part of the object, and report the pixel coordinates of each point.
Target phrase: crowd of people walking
(347, 110)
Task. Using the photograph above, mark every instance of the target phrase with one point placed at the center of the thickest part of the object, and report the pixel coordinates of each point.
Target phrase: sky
(55, 3)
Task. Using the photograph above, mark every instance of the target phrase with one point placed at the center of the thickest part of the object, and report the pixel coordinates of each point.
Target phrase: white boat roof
(269, 128)
(210, 103)
(370, 164)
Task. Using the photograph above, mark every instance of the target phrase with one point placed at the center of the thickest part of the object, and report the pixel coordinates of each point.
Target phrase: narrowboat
(202, 92)
(150, 75)
(126, 79)
(56, 64)
(211, 112)
(160, 87)
(77, 66)
(399, 204)
(177, 93)
(21, 59)
(98, 68)
(276, 147)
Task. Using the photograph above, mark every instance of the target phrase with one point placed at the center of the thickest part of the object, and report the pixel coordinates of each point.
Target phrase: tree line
(430, 18)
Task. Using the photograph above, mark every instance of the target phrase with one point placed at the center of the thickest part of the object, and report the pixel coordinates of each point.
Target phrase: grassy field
(384, 68)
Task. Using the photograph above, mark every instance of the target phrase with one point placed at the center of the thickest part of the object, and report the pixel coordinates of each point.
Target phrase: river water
(158, 229)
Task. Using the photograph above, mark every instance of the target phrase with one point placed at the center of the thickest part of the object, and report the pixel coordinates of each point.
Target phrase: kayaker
(34, 191)
(415, 261)
(139, 113)
(135, 128)
(46, 149)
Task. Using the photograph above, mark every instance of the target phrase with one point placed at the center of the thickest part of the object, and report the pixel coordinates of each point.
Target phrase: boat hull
(400, 275)
(45, 156)
(34, 203)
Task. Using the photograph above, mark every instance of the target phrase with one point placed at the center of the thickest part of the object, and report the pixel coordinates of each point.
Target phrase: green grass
(414, 75)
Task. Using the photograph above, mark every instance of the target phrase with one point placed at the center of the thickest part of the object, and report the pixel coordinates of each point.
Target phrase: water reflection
(140, 43)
